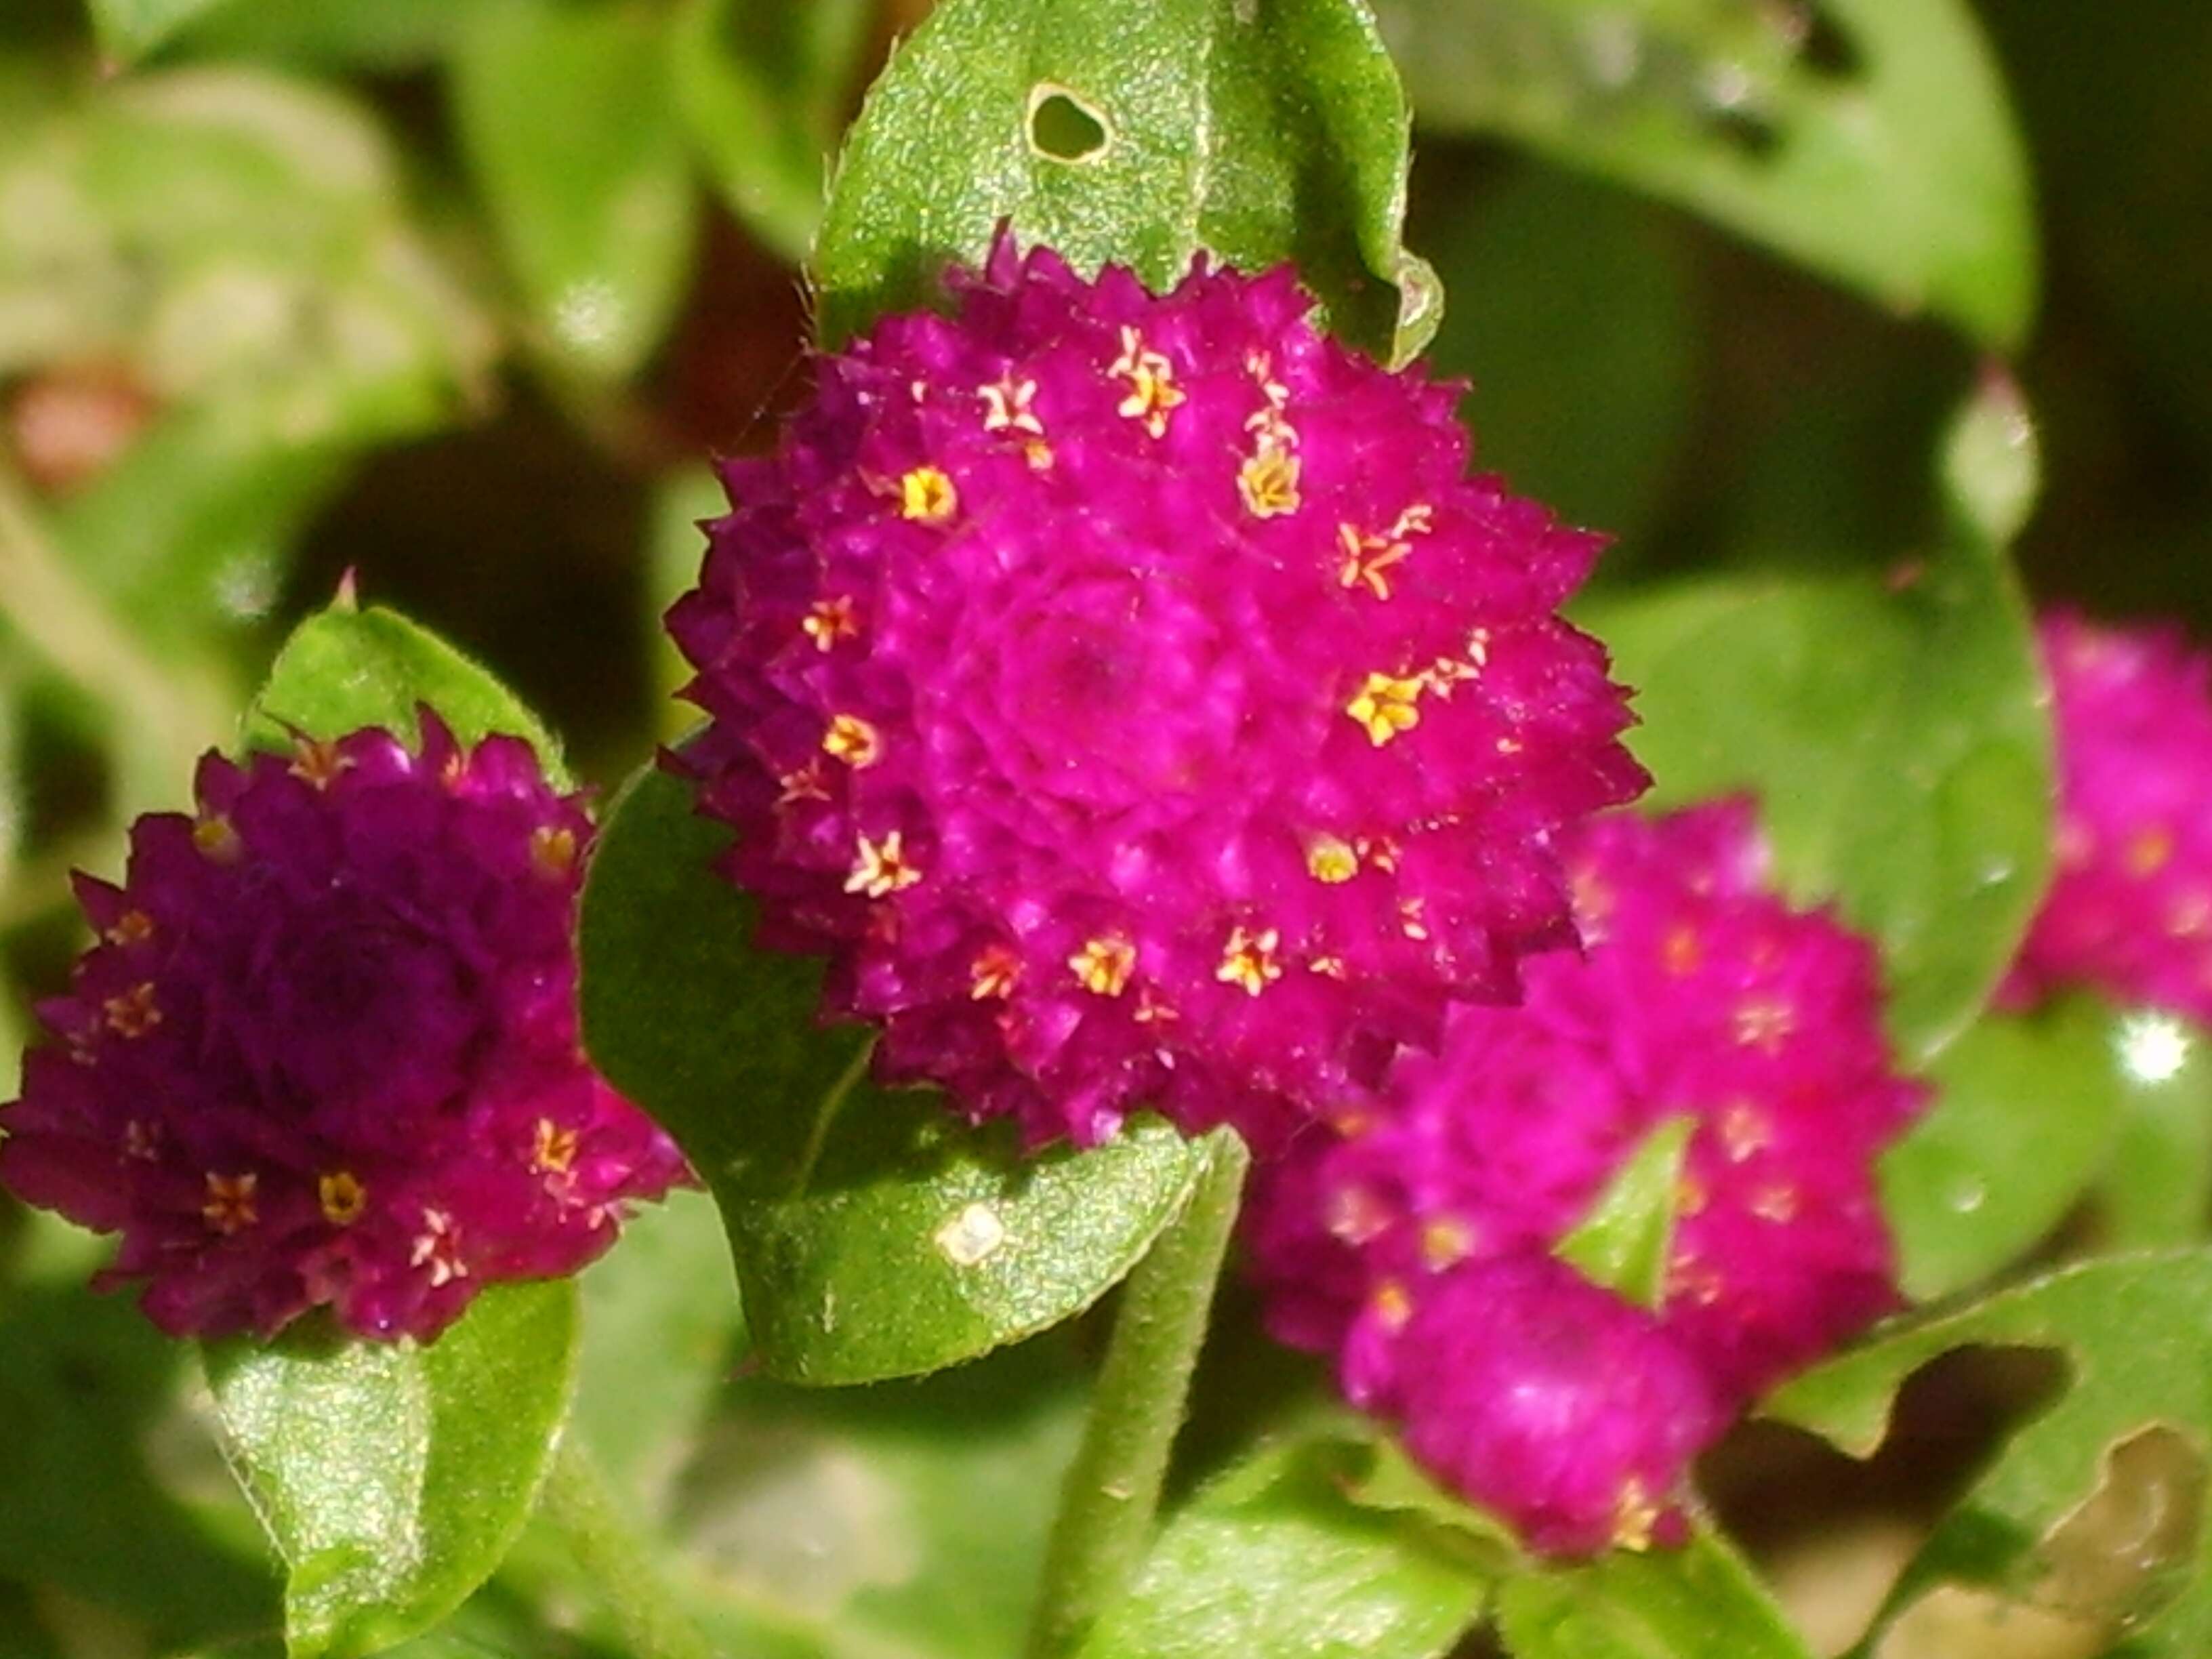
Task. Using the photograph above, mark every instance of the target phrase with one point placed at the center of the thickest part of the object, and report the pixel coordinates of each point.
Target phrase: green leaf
(2129, 1432)
(1670, 1604)
(674, 549)
(1582, 338)
(566, 118)
(1899, 174)
(2023, 1120)
(1136, 135)
(2157, 1190)
(1274, 1558)
(1894, 730)
(873, 1236)
(761, 86)
(345, 668)
(661, 1332)
(84, 1383)
(389, 37)
(908, 1517)
(129, 29)
(392, 1478)
(1623, 1242)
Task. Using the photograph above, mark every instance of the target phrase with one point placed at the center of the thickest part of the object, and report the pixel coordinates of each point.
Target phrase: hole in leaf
(1063, 128)
(1744, 130)
(2124, 1552)
(1823, 46)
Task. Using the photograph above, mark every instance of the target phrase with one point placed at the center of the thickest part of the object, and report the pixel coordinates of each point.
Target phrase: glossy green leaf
(392, 1478)
(1623, 1242)
(1275, 1558)
(2096, 1509)
(2023, 1120)
(1668, 1604)
(2157, 1188)
(1580, 336)
(84, 1382)
(873, 1236)
(1893, 727)
(762, 87)
(1136, 135)
(566, 118)
(128, 29)
(345, 668)
(1897, 171)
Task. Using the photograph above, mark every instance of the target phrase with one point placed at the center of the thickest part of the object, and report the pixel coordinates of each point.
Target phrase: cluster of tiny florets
(1701, 996)
(2130, 909)
(1135, 699)
(324, 1049)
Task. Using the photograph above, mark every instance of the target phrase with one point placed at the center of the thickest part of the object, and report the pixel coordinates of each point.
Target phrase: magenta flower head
(1574, 1413)
(2130, 910)
(1703, 996)
(325, 1048)
(1134, 698)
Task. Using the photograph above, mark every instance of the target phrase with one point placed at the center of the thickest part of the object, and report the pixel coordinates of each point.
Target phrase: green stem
(617, 1562)
(1113, 1491)
(161, 719)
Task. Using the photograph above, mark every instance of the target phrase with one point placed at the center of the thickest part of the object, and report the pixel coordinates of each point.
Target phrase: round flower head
(325, 1048)
(1570, 1413)
(1702, 997)
(2130, 910)
(1136, 699)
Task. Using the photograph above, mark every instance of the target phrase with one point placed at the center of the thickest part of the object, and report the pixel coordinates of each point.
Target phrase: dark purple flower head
(2130, 909)
(1136, 699)
(325, 1048)
(1701, 996)
(1569, 1411)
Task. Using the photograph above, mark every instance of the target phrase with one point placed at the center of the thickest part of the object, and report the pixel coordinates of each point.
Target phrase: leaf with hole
(566, 118)
(1867, 139)
(390, 1477)
(2095, 1510)
(1278, 1556)
(1893, 727)
(1137, 136)
(874, 1236)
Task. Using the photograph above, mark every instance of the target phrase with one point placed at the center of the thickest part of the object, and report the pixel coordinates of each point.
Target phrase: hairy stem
(616, 1561)
(1113, 1491)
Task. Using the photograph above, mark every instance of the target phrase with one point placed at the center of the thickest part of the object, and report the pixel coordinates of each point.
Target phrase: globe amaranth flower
(1701, 996)
(1136, 699)
(325, 1047)
(2130, 909)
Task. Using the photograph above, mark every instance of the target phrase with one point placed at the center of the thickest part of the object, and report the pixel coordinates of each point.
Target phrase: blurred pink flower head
(1701, 996)
(2130, 909)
